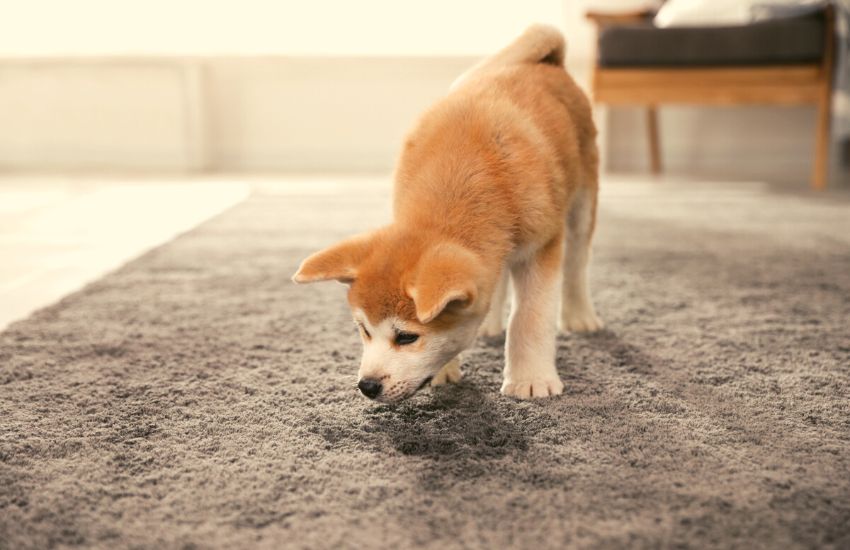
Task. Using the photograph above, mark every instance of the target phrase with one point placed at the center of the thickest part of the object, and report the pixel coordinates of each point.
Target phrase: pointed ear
(447, 274)
(338, 262)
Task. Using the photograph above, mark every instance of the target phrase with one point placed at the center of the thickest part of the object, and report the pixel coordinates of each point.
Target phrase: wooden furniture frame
(800, 84)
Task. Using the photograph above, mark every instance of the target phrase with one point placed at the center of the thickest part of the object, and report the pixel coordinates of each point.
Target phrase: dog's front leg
(530, 346)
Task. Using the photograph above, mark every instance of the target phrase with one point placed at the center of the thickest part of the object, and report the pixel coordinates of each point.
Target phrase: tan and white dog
(497, 181)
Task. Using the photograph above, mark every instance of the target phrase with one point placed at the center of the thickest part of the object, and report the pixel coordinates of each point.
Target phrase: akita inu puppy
(497, 182)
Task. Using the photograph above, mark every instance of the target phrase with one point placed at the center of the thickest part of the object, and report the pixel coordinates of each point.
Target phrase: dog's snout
(370, 388)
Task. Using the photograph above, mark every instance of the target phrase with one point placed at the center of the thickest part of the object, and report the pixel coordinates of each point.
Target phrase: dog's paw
(585, 321)
(491, 329)
(449, 374)
(531, 389)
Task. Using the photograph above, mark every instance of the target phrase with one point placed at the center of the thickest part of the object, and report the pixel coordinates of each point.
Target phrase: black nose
(370, 388)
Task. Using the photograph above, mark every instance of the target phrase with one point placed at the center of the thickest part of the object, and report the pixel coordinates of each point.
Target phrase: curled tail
(538, 44)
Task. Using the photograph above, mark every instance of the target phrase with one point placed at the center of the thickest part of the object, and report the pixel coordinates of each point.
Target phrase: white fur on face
(402, 370)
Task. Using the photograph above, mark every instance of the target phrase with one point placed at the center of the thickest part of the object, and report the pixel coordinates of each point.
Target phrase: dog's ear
(446, 275)
(338, 262)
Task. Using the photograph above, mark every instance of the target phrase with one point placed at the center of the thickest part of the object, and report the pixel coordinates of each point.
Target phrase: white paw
(491, 329)
(545, 386)
(580, 321)
(450, 373)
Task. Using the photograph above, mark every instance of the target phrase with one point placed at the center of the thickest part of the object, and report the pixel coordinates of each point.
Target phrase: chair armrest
(602, 19)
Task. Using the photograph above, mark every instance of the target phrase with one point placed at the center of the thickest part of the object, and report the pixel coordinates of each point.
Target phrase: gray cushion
(775, 41)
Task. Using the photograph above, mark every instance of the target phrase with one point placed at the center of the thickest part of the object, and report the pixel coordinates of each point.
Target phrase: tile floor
(57, 234)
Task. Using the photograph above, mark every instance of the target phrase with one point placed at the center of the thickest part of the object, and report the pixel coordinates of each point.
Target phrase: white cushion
(706, 13)
(621, 6)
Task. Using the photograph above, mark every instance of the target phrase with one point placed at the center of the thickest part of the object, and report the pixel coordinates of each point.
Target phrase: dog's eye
(363, 328)
(405, 338)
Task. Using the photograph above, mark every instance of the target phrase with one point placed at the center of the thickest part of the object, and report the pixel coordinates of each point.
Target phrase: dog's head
(416, 302)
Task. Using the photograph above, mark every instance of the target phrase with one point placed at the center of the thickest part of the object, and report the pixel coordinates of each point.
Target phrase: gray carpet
(196, 398)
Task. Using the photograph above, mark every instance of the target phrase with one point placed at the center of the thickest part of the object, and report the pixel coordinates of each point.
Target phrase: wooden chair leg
(820, 168)
(654, 144)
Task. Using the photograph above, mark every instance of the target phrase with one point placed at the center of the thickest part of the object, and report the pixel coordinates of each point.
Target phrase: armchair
(785, 61)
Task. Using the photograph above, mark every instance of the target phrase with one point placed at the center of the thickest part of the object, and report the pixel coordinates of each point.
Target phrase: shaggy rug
(195, 398)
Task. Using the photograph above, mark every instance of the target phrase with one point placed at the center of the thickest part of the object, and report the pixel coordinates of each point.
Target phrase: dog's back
(505, 151)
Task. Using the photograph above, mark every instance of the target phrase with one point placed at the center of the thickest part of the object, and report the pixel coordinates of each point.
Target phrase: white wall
(127, 114)
(227, 114)
(432, 28)
(233, 84)
(319, 113)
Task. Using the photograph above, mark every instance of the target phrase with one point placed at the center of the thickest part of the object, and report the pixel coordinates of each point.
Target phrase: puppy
(497, 183)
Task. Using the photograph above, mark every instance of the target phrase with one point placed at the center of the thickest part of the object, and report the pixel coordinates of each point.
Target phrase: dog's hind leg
(449, 374)
(577, 312)
(494, 322)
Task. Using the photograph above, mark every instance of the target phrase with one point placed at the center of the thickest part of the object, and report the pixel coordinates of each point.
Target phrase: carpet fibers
(195, 398)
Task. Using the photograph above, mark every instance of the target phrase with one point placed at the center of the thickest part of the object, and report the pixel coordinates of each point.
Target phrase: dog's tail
(538, 44)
